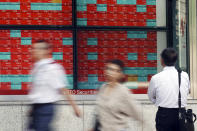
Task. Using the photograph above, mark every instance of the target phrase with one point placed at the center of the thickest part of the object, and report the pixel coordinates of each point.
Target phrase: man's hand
(143, 84)
(78, 113)
(30, 112)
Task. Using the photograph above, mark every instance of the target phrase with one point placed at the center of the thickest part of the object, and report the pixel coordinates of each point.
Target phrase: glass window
(161, 12)
(16, 60)
(180, 31)
(139, 50)
(145, 13)
(134, 31)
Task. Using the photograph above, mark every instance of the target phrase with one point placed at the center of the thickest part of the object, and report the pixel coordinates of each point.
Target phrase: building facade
(85, 34)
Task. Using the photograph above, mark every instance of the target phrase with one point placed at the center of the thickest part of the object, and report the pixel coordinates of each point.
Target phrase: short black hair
(169, 56)
(117, 62)
(47, 44)
(121, 65)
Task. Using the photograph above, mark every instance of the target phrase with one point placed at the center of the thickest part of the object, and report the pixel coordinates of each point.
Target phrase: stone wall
(13, 116)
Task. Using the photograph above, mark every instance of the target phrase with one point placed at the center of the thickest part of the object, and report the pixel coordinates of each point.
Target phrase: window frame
(75, 28)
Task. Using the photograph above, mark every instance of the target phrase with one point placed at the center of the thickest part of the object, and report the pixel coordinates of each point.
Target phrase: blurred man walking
(48, 86)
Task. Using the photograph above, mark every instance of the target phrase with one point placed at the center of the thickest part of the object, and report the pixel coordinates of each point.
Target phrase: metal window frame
(75, 28)
(187, 37)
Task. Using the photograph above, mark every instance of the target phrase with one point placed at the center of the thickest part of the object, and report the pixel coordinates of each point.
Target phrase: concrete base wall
(13, 116)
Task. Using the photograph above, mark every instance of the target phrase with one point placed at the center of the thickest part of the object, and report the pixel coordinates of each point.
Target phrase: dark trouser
(41, 117)
(167, 119)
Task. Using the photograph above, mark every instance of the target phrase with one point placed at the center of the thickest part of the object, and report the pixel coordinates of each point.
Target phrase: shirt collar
(44, 61)
(169, 68)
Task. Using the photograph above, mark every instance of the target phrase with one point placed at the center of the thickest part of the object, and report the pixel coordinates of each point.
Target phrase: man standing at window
(48, 84)
(164, 89)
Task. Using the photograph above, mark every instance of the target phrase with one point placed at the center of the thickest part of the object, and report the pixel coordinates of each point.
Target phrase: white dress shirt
(47, 78)
(164, 88)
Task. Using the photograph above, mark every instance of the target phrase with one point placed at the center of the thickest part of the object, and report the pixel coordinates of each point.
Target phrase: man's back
(48, 78)
(164, 88)
(163, 91)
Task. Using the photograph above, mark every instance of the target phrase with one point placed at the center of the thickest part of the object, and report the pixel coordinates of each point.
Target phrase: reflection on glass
(180, 32)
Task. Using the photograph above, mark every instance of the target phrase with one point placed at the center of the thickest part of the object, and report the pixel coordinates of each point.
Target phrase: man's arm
(189, 86)
(65, 92)
(152, 90)
(59, 81)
